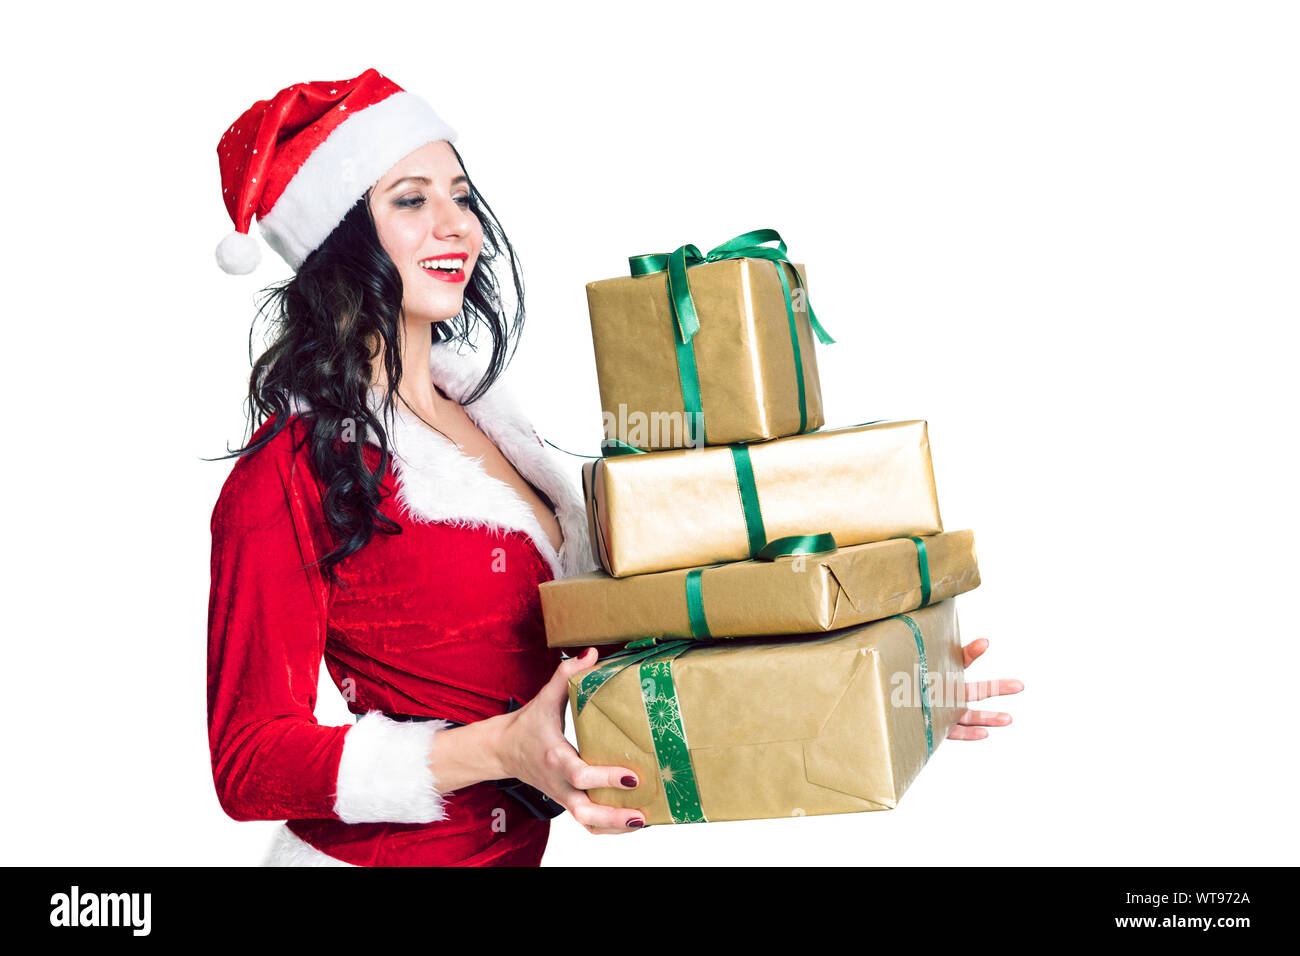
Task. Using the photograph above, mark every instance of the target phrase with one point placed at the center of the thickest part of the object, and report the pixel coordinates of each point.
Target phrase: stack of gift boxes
(778, 596)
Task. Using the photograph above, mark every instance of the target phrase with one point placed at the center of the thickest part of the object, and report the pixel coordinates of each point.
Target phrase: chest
(442, 613)
(460, 428)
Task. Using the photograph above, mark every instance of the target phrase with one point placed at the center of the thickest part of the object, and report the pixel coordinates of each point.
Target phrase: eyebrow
(425, 181)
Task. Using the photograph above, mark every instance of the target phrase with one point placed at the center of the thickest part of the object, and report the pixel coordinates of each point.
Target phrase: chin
(439, 311)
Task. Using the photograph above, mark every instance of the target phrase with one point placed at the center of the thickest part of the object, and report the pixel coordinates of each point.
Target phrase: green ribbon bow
(750, 245)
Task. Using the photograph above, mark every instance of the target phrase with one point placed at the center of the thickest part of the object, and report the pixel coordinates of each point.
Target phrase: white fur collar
(438, 482)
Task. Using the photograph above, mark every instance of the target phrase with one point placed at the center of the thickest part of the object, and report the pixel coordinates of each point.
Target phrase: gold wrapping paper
(787, 727)
(681, 509)
(743, 354)
(794, 595)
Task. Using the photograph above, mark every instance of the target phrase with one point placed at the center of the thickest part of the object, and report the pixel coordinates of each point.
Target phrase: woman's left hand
(971, 724)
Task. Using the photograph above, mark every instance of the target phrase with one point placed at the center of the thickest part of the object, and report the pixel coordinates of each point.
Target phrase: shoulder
(262, 482)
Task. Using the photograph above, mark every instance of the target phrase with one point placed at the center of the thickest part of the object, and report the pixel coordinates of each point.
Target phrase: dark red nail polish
(629, 782)
(636, 823)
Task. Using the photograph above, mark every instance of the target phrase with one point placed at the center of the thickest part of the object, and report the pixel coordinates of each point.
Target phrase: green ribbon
(749, 498)
(613, 447)
(663, 716)
(760, 549)
(673, 754)
(686, 321)
(922, 674)
(823, 543)
(759, 546)
(923, 566)
(595, 678)
(695, 603)
(567, 452)
(664, 713)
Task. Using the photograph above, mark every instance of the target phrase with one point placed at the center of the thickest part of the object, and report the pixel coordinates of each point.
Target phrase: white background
(1065, 234)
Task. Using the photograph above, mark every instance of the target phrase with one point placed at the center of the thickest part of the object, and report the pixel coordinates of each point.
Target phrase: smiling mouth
(445, 268)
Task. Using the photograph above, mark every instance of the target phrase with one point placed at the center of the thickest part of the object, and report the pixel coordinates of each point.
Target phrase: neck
(416, 388)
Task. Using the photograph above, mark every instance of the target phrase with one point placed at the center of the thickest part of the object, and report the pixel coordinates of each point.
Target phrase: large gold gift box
(750, 729)
(792, 595)
(744, 356)
(658, 511)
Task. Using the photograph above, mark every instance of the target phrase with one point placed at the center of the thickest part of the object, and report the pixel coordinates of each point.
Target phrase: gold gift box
(793, 595)
(680, 509)
(836, 724)
(743, 354)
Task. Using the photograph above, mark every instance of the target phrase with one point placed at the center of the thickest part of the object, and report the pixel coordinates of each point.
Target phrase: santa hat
(302, 159)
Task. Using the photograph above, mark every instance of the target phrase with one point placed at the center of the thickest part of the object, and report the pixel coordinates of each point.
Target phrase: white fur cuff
(384, 774)
(289, 849)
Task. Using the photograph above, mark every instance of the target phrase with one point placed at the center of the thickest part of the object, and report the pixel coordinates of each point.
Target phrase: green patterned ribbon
(922, 675)
(686, 321)
(595, 678)
(663, 715)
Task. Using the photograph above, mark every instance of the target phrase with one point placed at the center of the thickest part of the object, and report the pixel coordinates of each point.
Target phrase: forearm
(276, 769)
(463, 756)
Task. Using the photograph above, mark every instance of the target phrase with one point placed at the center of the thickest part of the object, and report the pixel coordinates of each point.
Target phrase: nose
(452, 220)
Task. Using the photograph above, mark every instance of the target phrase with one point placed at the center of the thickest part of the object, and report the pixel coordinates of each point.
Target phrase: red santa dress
(442, 620)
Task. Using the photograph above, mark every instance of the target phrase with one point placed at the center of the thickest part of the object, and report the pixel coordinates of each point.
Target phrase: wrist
(498, 746)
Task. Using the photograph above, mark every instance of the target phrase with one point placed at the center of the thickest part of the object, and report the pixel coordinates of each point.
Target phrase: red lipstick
(447, 275)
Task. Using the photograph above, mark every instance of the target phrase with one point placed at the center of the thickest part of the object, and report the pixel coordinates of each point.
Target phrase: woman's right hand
(532, 747)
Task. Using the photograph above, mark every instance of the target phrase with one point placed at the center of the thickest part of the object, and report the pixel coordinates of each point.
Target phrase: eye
(464, 201)
(413, 203)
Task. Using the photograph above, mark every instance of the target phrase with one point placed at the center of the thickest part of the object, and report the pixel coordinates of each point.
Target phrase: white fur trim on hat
(340, 170)
(384, 773)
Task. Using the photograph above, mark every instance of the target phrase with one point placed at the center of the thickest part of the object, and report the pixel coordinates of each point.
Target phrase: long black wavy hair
(345, 294)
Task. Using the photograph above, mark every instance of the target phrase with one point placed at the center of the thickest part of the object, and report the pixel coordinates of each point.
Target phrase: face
(422, 215)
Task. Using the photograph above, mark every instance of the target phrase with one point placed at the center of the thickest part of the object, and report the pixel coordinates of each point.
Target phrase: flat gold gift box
(792, 595)
(680, 509)
(743, 354)
(782, 728)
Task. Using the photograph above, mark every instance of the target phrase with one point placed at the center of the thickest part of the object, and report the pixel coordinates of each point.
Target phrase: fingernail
(629, 782)
(636, 823)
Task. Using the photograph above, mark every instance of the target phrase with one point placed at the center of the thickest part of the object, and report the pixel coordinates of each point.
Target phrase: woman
(413, 575)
